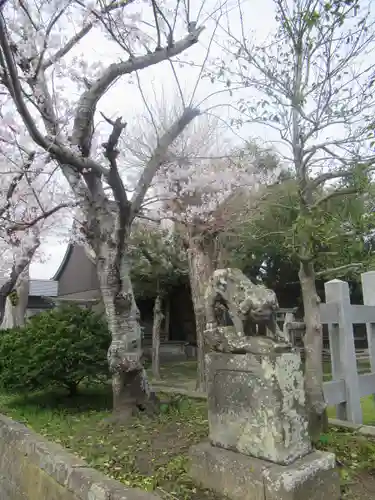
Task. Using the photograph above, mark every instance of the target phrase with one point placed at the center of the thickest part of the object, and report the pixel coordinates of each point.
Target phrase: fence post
(344, 361)
(288, 318)
(368, 289)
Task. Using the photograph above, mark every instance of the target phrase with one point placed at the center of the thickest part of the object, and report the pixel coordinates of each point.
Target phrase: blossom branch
(159, 156)
(63, 51)
(21, 226)
(62, 153)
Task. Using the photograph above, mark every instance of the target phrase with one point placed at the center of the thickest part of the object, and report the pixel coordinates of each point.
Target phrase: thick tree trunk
(9, 318)
(131, 390)
(15, 313)
(156, 329)
(201, 267)
(313, 342)
(22, 262)
(22, 289)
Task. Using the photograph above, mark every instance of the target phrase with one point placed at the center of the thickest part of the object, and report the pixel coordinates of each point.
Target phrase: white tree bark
(9, 320)
(18, 281)
(14, 315)
(130, 386)
(156, 330)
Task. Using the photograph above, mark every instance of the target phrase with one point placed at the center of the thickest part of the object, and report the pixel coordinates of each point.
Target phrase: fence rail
(347, 386)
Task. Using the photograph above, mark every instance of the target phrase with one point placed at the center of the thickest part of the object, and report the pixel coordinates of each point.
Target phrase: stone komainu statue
(247, 304)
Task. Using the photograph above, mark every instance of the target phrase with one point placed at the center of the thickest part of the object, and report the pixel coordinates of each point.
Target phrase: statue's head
(264, 304)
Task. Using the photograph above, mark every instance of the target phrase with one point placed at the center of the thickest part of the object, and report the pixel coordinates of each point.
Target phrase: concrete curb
(32, 467)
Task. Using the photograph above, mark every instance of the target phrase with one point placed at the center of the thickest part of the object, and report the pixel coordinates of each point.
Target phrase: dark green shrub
(59, 347)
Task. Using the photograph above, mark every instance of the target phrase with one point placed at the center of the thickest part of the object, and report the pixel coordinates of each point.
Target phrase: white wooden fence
(347, 386)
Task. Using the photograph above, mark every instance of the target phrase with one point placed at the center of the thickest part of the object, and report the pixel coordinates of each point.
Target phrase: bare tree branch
(63, 154)
(111, 153)
(335, 194)
(83, 123)
(45, 45)
(337, 174)
(21, 226)
(14, 183)
(154, 9)
(17, 269)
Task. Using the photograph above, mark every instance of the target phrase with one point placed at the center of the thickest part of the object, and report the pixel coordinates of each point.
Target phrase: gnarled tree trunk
(201, 267)
(106, 228)
(313, 342)
(156, 330)
(131, 390)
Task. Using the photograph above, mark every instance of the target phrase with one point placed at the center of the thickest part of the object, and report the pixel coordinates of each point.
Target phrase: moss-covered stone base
(241, 477)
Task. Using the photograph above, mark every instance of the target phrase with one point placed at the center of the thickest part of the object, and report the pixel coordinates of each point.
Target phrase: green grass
(355, 456)
(146, 453)
(368, 410)
(178, 372)
(152, 453)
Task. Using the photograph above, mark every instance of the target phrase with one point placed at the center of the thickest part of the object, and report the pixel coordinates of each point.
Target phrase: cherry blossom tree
(204, 185)
(28, 212)
(56, 87)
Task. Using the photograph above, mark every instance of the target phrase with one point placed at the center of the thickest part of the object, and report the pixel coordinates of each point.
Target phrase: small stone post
(344, 362)
(368, 288)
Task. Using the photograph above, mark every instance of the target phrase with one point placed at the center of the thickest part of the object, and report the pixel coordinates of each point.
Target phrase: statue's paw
(282, 347)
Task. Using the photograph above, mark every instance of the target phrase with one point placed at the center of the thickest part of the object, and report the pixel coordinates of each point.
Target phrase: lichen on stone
(247, 305)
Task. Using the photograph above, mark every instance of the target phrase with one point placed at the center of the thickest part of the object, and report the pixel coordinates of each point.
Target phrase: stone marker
(259, 447)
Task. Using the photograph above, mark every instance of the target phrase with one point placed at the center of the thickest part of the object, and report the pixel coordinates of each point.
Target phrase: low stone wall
(32, 468)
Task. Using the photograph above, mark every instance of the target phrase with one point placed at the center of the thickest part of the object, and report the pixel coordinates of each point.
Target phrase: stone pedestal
(256, 405)
(259, 445)
(241, 477)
